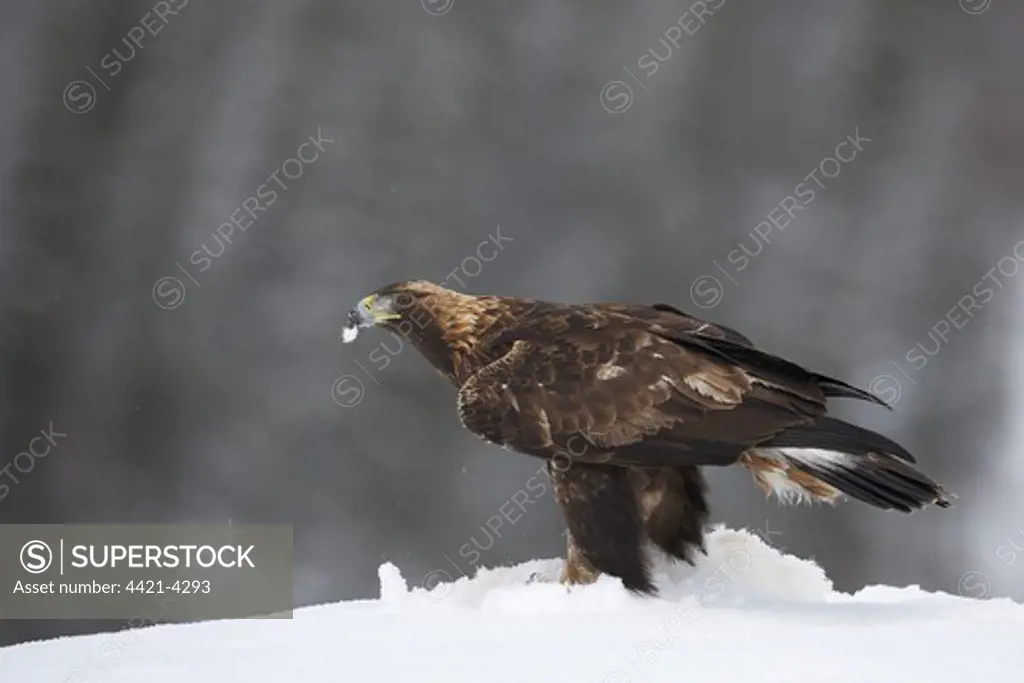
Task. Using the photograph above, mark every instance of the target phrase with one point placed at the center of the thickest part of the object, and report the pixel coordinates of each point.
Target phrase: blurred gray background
(629, 150)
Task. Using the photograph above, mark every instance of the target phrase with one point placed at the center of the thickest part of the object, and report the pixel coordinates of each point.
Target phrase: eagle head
(443, 324)
(388, 306)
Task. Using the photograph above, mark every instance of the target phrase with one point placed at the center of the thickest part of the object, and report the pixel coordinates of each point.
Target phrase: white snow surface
(745, 613)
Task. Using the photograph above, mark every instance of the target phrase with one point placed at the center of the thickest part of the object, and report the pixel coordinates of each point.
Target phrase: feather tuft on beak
(349, 334)
(361, 315)
(371, 310)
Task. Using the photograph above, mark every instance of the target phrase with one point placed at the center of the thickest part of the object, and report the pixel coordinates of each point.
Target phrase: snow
(349, 334)
(747, 613)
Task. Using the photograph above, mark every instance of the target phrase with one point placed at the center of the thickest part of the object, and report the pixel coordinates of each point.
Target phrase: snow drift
(746, 612)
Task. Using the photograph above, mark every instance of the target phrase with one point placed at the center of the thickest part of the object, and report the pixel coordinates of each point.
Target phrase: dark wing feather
(705, 328)
(768, 365)
(602, 387)
(676, 324)
(679, 322)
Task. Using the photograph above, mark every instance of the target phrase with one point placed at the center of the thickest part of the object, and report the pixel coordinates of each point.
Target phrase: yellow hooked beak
(369, 311)
(376, 312)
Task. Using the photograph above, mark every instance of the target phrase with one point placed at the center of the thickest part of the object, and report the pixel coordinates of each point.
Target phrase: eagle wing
(668, 317)
(609, 387)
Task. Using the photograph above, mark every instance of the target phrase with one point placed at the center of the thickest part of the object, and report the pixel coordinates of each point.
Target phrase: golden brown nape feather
(446, 326)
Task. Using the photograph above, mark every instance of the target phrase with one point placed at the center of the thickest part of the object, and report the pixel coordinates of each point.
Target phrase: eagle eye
(403, 300)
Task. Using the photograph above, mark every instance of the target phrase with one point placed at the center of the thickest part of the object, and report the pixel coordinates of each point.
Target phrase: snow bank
(746, 612)
(740, 568)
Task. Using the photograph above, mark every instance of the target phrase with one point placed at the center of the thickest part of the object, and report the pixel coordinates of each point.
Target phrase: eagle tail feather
(819, 462)
(820, 475)
(833, 434)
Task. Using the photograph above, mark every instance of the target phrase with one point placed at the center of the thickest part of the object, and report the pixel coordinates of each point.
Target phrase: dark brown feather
(608, 379)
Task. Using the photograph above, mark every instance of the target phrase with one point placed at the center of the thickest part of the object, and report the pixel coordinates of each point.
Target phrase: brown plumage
(627, 402)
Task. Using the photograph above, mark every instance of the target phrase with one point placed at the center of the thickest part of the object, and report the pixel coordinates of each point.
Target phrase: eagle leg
(606, 531)
(578, 569)
(674, 507)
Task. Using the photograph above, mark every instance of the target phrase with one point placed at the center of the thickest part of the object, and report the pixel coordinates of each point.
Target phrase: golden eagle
(627, 402)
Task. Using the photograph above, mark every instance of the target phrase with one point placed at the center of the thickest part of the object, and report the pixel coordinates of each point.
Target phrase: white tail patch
(817, 457)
